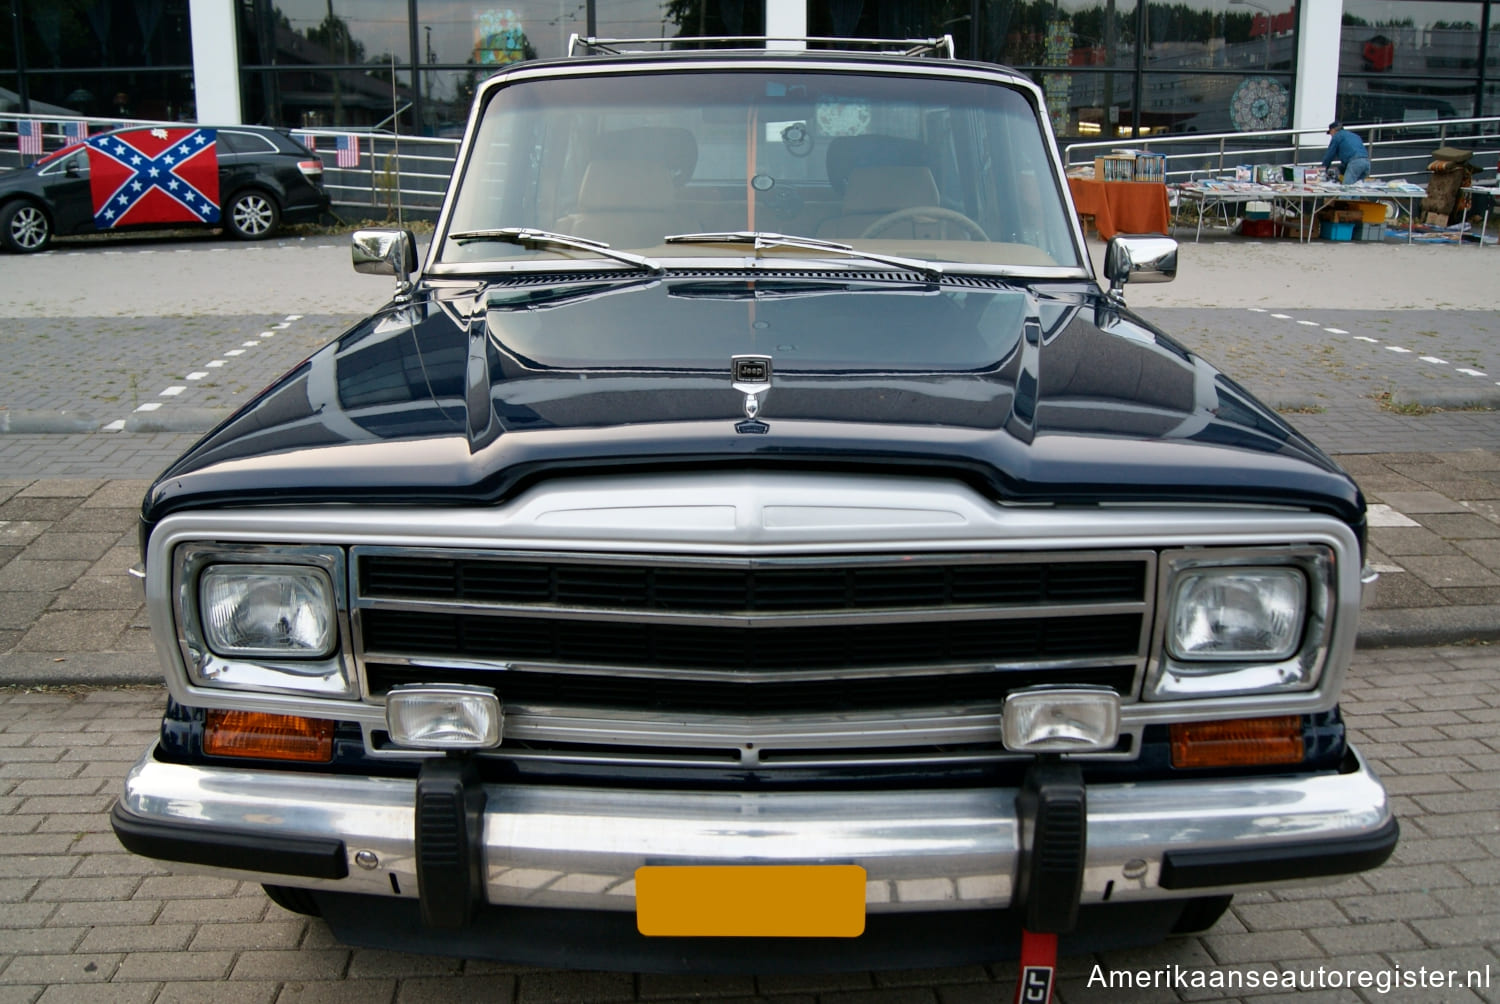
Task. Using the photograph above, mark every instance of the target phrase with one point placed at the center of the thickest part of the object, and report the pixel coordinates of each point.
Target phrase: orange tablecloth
(1122, 207)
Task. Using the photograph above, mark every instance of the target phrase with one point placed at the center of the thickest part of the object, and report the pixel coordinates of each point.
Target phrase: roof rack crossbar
(941, 47)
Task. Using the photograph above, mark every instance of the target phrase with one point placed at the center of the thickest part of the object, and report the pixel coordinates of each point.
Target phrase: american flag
(348, 155)
(76, 132)
(307, 139)
(168, 175)
(29, 137)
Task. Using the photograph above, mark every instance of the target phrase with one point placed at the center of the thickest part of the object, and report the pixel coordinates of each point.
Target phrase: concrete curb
(102, 669)
(1428, 626)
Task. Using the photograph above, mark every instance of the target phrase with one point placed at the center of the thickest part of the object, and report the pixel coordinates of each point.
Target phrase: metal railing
(1397, 149)
(392, 175)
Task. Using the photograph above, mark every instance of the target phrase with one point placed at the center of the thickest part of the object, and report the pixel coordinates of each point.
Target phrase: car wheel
(25, 227)
(253, 216)
(294, 899)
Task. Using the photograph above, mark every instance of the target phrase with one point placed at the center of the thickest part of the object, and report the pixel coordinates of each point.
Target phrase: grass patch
(1301, 409)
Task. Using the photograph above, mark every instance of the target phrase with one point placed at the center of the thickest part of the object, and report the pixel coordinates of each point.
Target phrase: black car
(753, 538)
(246, 179)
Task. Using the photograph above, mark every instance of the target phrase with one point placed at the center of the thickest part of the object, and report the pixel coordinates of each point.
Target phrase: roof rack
(940, 47)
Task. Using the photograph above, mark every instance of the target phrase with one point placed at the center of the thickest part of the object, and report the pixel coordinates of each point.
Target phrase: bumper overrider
(544, 868)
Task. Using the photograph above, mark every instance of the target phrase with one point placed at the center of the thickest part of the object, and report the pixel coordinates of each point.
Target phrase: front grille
(653, 652)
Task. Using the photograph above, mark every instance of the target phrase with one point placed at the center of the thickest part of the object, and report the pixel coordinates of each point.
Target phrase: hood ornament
(752, 378)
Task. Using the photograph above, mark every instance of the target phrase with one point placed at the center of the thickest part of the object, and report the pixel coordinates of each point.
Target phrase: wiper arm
(530, 238)
(761, 240)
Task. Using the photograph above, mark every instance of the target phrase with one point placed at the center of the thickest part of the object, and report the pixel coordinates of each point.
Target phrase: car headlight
(1237, 613)
(284, 611)
(1256, 621)
(263, 618)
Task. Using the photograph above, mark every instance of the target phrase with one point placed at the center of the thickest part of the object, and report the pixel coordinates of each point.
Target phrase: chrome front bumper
(578, 848)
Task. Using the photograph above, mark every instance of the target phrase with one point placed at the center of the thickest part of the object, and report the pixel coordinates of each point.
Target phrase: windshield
(923, 167)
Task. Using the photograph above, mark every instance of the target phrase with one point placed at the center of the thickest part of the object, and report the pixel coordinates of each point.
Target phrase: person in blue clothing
(1347, 148)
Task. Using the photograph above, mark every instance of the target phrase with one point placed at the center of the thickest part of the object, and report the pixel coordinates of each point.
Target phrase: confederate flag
(163, 175)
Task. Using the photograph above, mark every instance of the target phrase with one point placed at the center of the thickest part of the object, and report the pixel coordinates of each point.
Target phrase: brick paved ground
(84, 921)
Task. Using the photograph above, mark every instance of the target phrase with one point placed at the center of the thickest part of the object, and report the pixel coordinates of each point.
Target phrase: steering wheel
(931, 214)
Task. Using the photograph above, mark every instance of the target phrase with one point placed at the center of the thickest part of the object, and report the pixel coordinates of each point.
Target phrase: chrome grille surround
(720, 521)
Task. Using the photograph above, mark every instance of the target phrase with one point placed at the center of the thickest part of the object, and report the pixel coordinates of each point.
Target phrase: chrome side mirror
(1139, 259)
(386, 252)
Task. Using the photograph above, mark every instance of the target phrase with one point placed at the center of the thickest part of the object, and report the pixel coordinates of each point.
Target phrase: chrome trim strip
(936, 849)
(748, 739)
(438, 663)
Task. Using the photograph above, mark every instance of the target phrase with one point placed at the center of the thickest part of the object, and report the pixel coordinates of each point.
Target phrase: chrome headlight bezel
(326, 674)
(1291, 669)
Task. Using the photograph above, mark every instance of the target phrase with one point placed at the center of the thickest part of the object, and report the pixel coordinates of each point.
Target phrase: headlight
(263, 618)
(283, 611)
(1241, 622)
(1237, 613)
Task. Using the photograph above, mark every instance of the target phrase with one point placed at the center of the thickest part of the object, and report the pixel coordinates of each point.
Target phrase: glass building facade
(131, 58)
(1110, 68)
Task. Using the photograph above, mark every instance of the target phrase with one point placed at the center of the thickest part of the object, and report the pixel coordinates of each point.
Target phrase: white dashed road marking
(177, 390)
(1399, 350)
(1380, 514)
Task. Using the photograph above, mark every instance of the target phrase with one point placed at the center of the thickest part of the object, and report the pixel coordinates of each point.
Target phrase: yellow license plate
(750, 901)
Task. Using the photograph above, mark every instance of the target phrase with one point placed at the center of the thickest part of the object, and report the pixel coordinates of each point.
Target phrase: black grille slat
(836, 646)
(750, 590)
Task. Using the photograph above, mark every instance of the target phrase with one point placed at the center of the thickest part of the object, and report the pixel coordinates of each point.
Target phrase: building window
(1407, 61)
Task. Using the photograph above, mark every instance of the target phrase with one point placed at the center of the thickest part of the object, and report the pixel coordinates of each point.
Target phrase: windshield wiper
(529, 238)
(761, 240)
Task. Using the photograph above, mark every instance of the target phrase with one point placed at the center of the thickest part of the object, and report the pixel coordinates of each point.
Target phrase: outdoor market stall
(1297, 203)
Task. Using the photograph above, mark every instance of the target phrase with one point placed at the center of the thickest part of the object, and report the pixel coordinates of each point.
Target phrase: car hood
(1039, 393)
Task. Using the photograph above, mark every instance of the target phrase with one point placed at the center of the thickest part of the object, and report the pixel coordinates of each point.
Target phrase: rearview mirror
(386, 252)
(1139, 259)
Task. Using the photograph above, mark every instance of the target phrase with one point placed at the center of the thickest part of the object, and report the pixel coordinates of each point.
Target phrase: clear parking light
(1061, 720)
(443, 717)
(281, 611)
(1238, 614)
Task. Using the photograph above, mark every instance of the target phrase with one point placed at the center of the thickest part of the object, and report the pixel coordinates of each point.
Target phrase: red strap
(1038, 968)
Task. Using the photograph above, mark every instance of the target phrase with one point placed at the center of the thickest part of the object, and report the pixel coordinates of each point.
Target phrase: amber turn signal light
(1243, 742)
(268, 737)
